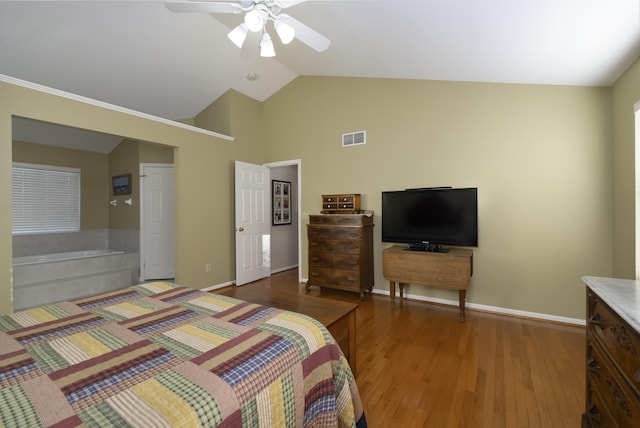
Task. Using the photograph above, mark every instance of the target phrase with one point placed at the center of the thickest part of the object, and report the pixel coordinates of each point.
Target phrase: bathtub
(47, 278)
(57, 257)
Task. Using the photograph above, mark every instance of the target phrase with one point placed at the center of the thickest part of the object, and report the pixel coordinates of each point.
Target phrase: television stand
(451, 270)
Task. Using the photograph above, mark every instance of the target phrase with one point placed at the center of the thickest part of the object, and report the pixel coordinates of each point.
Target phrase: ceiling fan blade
(308, 36)
(203, 6)
(287, 3)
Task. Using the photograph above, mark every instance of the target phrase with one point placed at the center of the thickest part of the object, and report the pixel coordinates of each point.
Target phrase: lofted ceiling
(142, 56)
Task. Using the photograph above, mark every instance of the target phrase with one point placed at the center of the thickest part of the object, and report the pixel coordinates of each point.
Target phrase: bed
(159, 354)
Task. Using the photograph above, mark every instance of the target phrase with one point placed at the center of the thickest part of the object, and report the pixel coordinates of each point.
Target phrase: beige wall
(539, 155)
(95, 166)
(124, 159)
(626, 92)
(155, 153)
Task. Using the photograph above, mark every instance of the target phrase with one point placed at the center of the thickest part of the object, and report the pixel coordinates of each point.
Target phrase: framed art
(121, 184)
(281, 202)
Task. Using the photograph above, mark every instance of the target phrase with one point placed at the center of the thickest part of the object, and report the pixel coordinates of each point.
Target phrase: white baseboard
(227, 284)
(492, 309)
(283, 269)
(479, 307)
(218, 286)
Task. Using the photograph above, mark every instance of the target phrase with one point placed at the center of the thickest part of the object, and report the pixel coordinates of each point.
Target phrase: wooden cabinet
(341, 204)
(612, 354)
(341, 252)
(451, 269)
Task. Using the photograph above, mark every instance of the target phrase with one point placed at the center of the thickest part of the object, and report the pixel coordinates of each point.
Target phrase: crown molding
(113, 107)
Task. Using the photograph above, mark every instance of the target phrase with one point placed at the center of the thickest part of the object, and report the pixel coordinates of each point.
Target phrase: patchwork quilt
(161, 355)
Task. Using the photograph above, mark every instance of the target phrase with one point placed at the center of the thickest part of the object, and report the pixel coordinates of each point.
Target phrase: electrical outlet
(207, 267)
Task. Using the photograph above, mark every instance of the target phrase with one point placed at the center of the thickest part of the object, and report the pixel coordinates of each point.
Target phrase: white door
(253, 222)
(157, 222)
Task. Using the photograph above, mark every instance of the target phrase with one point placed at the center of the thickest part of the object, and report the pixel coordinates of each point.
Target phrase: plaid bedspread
(160, 355)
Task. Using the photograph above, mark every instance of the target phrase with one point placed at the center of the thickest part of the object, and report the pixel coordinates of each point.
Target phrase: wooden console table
(451, 270)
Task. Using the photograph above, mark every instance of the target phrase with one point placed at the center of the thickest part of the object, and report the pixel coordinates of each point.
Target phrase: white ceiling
(140, 55)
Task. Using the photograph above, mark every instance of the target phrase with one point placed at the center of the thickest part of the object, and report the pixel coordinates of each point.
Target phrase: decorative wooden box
(341, 204)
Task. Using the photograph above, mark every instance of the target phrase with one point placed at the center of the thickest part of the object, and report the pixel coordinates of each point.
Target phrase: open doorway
(286, 238)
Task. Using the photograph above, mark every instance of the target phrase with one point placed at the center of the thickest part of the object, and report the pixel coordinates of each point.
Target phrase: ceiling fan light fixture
(266, 46)
(285, 31)
(255, 19)
(238, 35)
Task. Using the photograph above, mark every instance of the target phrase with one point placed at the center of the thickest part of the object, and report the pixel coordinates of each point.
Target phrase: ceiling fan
(253, 31)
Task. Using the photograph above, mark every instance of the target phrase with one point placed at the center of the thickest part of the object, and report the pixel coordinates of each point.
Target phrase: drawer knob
(593, 415)
(596, 319)
(593, 366)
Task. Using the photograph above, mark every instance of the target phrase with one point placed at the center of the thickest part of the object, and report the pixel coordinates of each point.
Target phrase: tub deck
(57, 257)
(45, 282)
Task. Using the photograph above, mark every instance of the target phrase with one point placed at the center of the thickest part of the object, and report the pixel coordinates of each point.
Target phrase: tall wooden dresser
(613, 353)
(341, 252)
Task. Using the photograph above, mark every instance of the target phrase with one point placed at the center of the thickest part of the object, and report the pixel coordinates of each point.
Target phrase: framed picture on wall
(281, 202)
(121, 184)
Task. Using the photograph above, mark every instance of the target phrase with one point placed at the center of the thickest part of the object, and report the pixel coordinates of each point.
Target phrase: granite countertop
(622, 295)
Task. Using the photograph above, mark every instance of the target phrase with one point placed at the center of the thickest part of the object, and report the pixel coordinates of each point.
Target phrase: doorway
(286, 239)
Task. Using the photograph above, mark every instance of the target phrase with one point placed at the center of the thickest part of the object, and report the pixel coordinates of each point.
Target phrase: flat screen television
(428, 218)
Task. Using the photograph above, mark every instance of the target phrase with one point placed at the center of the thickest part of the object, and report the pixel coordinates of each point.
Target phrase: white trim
(284, 269)
(218, 286)
(493, 309)
(68, 95)
(298, 164)
(486, 308)
(636, 143)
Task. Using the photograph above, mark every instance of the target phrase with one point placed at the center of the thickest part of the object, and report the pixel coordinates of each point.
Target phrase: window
(45, 199)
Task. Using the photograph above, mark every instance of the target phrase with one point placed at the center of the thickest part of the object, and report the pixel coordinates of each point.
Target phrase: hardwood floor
(419, 366)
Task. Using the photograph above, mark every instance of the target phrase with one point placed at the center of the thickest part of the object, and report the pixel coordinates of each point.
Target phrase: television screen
(435, 216)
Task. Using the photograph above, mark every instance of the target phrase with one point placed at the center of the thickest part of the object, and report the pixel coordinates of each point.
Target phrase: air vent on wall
(354, 138)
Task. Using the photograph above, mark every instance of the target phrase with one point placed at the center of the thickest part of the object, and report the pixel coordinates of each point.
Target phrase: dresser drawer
(341, 219)
(320, 276)
(346, 278)
(335, 261)
(334, 277)
(334, 246)
(609, 389)
(596, 415)
(621, 341)
(328, 232)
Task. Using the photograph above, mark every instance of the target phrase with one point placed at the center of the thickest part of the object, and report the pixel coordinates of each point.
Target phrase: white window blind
(45, 199)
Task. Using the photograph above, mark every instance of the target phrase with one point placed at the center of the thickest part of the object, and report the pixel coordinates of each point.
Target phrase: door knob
(240, 229)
